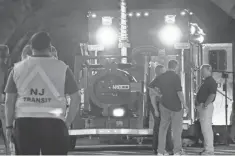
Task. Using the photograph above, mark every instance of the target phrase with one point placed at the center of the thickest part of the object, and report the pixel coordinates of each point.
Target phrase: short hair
(41, 41)
(158, 68)
(206, 66)
(172, 64)
(4, 51)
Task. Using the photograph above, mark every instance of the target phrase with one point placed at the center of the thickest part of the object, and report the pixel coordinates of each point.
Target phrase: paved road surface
(220, 150)
(131, 150)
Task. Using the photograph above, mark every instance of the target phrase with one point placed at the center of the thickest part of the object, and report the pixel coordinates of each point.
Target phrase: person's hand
(204, 105)
(68, 124)
(156, 113)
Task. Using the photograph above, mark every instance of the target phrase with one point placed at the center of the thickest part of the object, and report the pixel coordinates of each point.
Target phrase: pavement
(132, 150)
(140, 150)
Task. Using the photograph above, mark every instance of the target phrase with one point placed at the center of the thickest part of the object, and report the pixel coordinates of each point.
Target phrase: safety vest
(40, 83)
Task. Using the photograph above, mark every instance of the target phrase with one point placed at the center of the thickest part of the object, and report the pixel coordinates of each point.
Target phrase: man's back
(169, 84)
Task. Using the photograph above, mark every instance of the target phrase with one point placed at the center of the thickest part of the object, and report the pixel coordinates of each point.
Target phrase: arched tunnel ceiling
(227, 5)
(66, 19)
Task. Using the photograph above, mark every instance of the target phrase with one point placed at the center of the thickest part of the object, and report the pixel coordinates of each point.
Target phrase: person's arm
(71, 89)
(178, 88)
(212, 90)
(154, 83)
(153, 99)
(11, 97)
(155, 91)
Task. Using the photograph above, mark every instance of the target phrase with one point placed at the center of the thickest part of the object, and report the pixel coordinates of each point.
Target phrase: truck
(115, 99)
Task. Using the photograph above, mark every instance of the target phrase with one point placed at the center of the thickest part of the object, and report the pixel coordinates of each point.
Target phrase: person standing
(204, 105)
(171, 108)
(4, 52)
(155, 97)
(35, 99)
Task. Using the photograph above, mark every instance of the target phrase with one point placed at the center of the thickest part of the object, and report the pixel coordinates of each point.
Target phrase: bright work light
(198, 39)
(118, 112)
(106, 36)
(170, 34)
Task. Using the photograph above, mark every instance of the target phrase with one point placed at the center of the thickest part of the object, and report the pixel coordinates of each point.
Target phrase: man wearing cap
(35, 99)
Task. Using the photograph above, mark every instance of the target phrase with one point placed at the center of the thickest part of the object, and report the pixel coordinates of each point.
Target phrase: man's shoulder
(62, 63)
(20, 63)
(165, 75)
(212, 81)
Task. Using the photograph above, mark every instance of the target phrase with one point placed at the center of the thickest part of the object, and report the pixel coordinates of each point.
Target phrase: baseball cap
(41, 41)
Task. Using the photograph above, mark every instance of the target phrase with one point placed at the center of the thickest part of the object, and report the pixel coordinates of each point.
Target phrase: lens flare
(170, 34)
(106, 36)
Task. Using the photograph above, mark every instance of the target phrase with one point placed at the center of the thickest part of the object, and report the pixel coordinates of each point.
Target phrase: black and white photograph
(117, 77)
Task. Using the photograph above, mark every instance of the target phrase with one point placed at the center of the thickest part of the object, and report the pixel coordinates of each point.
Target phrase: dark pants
(169, 144)
(35, 135)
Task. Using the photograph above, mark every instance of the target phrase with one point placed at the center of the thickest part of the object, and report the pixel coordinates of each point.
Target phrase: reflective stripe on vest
(54, 109)
(41, 112)
(38, 70)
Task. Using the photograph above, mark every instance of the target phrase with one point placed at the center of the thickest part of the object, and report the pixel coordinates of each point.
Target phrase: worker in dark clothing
(4, 52)
(155, 96)
(171, 109)
(36, 99)
(204, 105)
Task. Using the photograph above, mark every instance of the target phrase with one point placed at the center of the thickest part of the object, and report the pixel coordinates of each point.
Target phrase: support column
(146, 99)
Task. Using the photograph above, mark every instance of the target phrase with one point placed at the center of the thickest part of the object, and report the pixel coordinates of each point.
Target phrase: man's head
(41, 43)
(206, 70)
(173, 65)
(27, 51)
(159, 69)
(4, 52)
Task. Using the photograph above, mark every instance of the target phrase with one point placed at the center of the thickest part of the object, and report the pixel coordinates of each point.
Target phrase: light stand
(225, 76)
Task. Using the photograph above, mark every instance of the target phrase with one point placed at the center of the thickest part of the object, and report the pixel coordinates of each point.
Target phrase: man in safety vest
(35, 99)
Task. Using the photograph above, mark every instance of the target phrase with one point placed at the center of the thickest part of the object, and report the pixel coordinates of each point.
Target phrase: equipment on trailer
(112, 100)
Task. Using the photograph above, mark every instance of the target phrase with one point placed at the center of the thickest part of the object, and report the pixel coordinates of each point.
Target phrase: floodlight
(170, 34)
(118, 112)
(106, 36)
(138, 14)
(146, 14)
(93, 15)
(130, 14)
(182, 13)
(193, 29)
(200, 39)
